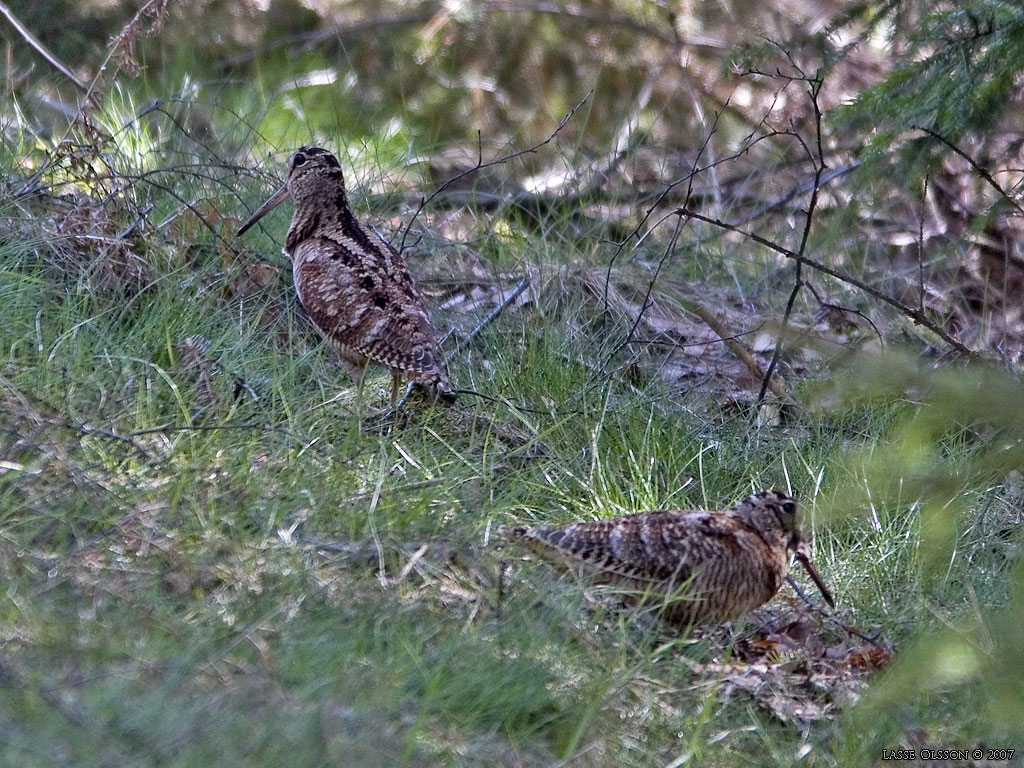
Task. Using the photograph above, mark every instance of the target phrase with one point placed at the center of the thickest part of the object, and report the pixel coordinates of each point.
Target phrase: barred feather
(710, 565)
(355, 287)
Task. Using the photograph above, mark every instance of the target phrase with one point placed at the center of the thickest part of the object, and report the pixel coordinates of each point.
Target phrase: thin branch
(592, 192)
(480, 165)
(849, 310)
(462, 344)
(106, 433)
(832, 617)
(520, 408)
(920, 246)
(737, 347)
(694, 170)
(418, 485)
(645, 305)
(974, 164)
(90, 90)
(917, 316)
(818, 162)
(766, 380)
(806, 186)
(253, 426)
(31, 40)
(516, 292)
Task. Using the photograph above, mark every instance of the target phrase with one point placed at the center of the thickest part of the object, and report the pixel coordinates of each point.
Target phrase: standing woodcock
(354, 286)
(710, 566)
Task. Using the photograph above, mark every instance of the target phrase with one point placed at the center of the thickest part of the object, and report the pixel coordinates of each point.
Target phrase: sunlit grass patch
(210, 556)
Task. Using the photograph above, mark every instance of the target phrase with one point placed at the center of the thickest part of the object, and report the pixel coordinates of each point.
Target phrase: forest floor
(209, 557)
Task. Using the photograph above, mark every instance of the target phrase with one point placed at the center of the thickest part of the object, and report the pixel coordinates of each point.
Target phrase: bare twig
(612, 375)
(847, 310)
(253, 426)
(118, 41)
(832, 617)
(108, 434)
(818, 162)
(920, 247)
(737, 347)
(481, 165)
(766, 380)
(669, 248)
(782, 200)
(548, 199)
(31, 40)
(694, 170)
(974, 164)
(521, 286)
(414, 486)
(917, 316)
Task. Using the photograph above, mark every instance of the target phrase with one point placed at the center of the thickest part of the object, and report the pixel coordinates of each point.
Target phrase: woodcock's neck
(321, 209)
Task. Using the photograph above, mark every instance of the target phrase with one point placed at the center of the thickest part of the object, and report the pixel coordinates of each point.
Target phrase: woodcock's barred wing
(355, 287)
(709, 565)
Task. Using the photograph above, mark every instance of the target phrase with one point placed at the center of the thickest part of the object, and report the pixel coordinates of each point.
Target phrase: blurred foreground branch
(42, 49)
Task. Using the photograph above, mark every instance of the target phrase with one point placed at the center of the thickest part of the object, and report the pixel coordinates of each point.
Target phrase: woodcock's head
(776, 516)
(773, 514)
(315, 184)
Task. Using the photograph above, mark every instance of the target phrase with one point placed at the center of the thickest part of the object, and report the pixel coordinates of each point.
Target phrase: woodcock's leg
(396, 380)
(358, 374)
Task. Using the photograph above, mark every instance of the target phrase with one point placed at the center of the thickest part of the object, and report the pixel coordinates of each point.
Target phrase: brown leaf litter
(796, 665)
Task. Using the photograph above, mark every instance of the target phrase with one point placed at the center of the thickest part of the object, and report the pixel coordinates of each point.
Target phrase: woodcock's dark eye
(299, 159)
(789, 507)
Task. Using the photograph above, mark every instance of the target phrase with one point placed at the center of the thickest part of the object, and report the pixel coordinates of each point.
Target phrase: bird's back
(711, 565)
(359, 293)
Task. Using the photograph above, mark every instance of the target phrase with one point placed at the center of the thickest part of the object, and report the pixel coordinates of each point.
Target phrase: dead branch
(845, 310)
(109, 435)
(832, 617)
(480, 165)
(974, 164)
(43, 51)
(153, 9)
(406, 487)
(253, 426)
(516, 292)
(818, 162)
(917, 316)
(664, 193)
(650, 285)
(737, 347)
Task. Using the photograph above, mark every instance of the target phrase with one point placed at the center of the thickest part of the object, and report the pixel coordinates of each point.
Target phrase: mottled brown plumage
(710, 565)
(354, 286)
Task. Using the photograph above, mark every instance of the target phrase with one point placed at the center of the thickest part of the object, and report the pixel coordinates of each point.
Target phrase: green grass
(197, 572)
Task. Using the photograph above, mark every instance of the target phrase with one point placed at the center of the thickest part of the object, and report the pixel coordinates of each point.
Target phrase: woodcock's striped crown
(354, 286)
(710, 566)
